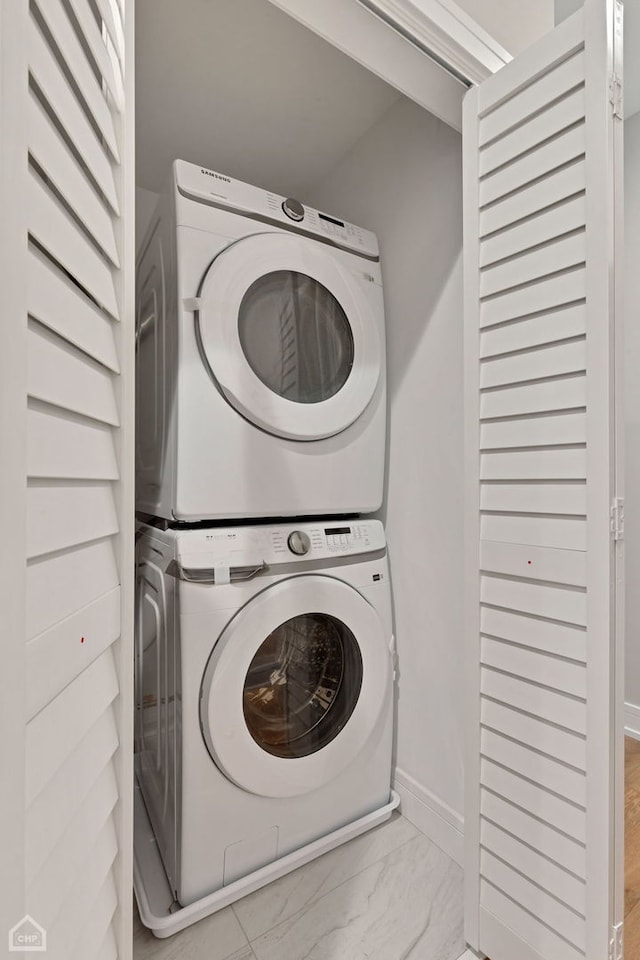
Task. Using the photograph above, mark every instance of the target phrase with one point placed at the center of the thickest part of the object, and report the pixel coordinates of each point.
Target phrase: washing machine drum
(295, 687)
(287, 334)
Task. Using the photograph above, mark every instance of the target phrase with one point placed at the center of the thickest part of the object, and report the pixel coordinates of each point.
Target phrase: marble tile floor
(390, 894)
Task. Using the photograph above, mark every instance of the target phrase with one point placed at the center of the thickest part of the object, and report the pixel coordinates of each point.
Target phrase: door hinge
(616, 95)
(617, 518)
(616, 942)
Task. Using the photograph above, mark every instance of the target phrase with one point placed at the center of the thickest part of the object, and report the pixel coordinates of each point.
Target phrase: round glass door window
(295, 336)
(302, 685)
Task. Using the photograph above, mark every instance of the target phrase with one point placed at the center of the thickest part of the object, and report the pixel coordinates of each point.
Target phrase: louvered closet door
(73, 398)
(541, 143)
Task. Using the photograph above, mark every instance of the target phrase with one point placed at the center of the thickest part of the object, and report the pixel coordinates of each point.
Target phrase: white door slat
(552, 85)
(60, 654)
(542, 871)
(523, 189)
(536, 531)
(61, 375)
(533, 265)
(525, 694)
(59, 803)
(55, 158)
(543, 771)
(569, 464)
(86, 890)
(534, 331)
(75, 59)
(112, 20)
(61, 444)
(561, 639)
(58, 586)
(536, 431)
(541, 128)
(58, 729)
(543, 228)
(547, 294)
(116, 66)
(107, 951)
(567, 498)
(50, 78)
(56, 230)
(536, 900)
(534, 732)
(51, 886)
(554, 360)
(525, 925)
(93, 37)
(538, 667)
(539, 59)
(551, 602)
(541, 397)
(58, 303)
(544, 804)
(536, 834)
(97, 929)
(534, 563)
(65, 515)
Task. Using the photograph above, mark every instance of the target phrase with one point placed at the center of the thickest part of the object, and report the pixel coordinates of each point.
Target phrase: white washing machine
(260, 357)
(264, 688)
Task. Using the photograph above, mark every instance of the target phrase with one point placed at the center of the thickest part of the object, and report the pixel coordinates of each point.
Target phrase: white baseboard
(632, 720)
(431, 815)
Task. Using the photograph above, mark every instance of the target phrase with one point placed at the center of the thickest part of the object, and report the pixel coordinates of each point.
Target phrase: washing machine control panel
(209, 186)
(278, 543)
(316, 541)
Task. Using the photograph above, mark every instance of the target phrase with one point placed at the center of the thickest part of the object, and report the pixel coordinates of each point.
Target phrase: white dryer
(264, 680)
(260, 357)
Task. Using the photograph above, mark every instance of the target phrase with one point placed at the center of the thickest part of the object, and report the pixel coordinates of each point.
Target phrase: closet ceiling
(239, 86)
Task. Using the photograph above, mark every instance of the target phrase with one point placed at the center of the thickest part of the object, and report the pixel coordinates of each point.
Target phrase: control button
(293, 209)
(299, 542)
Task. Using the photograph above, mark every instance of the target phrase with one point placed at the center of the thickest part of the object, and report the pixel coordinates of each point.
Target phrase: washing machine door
(296, 686)
(288, 336)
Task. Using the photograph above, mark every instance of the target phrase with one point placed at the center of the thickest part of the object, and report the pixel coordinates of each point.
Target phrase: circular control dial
(299, 543)
(293, 209)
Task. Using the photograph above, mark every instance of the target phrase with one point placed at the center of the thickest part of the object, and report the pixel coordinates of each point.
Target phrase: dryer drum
(302, 685)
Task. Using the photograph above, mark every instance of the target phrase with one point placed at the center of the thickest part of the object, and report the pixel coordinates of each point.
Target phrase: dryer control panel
(279, 543)
(199, 183)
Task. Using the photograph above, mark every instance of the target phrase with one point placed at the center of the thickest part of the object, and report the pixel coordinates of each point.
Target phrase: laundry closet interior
(470, 582)
(247, 92)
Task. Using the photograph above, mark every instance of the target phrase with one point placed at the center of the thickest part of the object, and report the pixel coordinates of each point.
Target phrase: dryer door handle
(219, 574)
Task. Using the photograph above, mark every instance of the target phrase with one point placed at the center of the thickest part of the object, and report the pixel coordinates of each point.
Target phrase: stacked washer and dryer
(264, 645)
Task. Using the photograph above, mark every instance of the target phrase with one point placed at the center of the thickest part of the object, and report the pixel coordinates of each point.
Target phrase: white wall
(145, 205)
(632, 415)
(564, 8)
(242, 88)
(514, 23)
(403, 180)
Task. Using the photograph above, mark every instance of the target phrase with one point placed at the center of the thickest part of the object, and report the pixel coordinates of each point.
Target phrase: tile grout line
(240, 924)
(313, 903)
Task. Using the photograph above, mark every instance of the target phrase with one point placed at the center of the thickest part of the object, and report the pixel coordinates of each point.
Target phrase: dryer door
(288, 336)
(296, 686)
